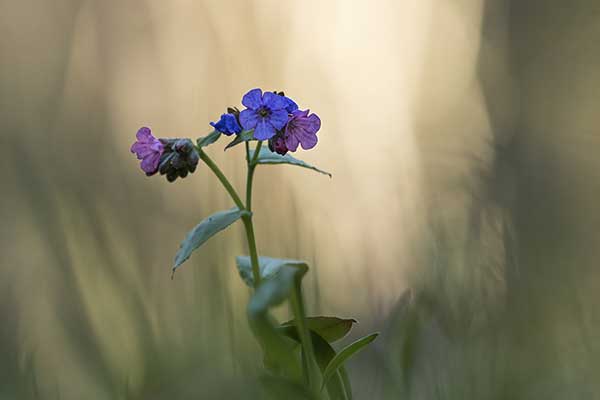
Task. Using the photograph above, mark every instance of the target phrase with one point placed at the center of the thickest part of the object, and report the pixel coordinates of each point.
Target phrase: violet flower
(301, 129)
(265, 113)
(148, 149)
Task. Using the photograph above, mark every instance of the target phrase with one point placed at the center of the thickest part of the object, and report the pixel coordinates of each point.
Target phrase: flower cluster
(171, 157)
(268, 116)
(179, 158)
(273, 117)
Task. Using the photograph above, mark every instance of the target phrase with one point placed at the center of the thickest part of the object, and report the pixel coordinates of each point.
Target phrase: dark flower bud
(234, 111)
(183, 146)
(179, 159)
(277, 144)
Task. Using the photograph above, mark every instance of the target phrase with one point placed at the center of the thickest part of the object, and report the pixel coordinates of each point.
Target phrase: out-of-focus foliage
(463, 139)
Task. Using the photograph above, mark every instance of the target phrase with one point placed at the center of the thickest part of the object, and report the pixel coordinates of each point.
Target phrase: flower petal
(253, 99)
(150, 164)
(278, 118)
(291, 105)
(249, 119)
(274, 101)
(264, 130)
(307, 140)
(144, 134)
(291, 141)
(312, 123)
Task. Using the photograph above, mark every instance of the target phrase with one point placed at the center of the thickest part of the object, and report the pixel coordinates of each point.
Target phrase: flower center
(264, 112)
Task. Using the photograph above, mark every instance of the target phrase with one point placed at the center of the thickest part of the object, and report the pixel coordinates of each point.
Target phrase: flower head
(301, 129)
(148, 149)
(179, 158)
(228, 124)
(265, 113)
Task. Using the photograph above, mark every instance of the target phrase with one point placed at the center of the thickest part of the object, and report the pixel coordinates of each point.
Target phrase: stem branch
(214, 168)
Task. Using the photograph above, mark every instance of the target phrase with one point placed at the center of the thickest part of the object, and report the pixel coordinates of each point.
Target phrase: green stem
(248, 220)
(312, 373)
(251, 168)
(236, 199)
(252, 247)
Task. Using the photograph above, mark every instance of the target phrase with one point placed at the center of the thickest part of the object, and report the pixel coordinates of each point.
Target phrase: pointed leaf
(344, 355)
(266, 156)
(242, 137)
(209, 139)
(268, 267)
(204, 231)
(329, 328)
(339, 386)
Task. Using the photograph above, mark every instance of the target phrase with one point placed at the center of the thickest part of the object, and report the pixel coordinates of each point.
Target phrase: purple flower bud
(148, 149)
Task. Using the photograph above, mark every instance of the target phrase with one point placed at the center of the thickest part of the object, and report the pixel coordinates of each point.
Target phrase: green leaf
(209, 139)
(278, 388)
(243, 136)
(329, 328)
(268, 267)
(277, 286)
(274, 289)
(266, 156)
(204, 231)
(344, 355)
(339, 386)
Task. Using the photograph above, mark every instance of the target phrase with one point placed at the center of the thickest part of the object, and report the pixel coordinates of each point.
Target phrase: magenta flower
(265, 113)
(301, 129)
(148, 149)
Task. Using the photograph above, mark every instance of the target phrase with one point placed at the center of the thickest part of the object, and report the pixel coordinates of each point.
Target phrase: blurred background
(461, 220)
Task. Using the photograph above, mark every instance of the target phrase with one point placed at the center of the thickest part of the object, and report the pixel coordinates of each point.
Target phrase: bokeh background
(461, 221)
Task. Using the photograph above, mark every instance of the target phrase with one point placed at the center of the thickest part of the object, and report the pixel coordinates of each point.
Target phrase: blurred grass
(479, 192)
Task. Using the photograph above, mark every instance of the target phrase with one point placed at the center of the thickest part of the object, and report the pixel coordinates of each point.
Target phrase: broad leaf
(209, 139)
(204, 231)
(329, 328)
(276, 287)
(344, 355)
(266, 156)
(243, 136)
(268, 267)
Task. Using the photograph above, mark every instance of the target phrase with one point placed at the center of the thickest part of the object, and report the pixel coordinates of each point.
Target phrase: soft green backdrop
(463, 139)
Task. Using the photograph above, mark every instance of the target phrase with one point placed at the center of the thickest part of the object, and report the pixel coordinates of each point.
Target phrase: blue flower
(228, 125)
(291, 104)
(265, 113)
